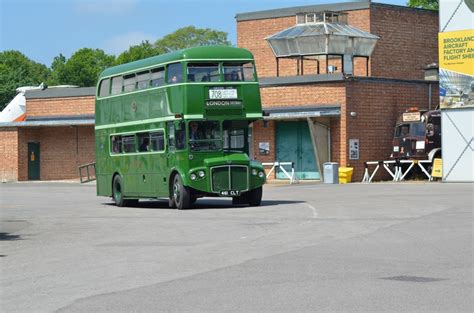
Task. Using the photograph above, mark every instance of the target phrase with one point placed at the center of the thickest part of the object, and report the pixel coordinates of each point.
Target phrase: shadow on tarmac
(205, 204)
(8, 237)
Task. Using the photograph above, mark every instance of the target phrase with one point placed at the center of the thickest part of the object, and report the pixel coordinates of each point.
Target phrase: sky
(42, 29)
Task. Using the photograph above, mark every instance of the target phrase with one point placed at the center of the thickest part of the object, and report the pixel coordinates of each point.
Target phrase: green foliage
(186, 37)
(424, 4)
(138, 52)
(17, 70)
(82, 69)
(191, 36)
(85, 65)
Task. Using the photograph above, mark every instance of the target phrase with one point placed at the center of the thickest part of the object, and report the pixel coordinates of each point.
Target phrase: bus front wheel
(254, 196)
(181, 194)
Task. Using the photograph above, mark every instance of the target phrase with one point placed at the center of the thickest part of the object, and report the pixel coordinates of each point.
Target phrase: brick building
(319, 103)
(56, 136)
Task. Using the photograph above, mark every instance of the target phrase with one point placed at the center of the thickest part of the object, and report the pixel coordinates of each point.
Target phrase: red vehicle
(417, 135)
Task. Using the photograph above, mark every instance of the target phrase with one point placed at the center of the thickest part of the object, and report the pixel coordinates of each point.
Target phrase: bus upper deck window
(129, 82)
(203, 72)
(175, 73)
(104, 88)
(143, 80)
(238, 72)
(116, 85)
(157, 77)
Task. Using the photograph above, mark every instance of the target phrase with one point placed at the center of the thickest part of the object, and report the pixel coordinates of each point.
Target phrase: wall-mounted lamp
(353, 114)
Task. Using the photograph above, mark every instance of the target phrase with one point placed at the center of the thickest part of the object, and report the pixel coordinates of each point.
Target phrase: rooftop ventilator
(323, 35)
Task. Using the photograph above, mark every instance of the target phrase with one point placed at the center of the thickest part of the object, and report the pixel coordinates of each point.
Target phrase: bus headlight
(193, 176)
(260, 174)
(254, 172)
(201, 174)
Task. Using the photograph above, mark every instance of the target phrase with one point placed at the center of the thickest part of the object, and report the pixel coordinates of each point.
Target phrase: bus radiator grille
(233, 177)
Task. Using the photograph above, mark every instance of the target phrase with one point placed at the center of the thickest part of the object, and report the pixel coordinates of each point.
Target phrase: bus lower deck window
(157, 141)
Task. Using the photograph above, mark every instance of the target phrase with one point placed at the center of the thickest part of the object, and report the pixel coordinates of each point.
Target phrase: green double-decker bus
(176, 126)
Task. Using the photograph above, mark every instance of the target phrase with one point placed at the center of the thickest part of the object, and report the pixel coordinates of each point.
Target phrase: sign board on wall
(456, 82)
(264, 148)
(456, 64)
(353, 149)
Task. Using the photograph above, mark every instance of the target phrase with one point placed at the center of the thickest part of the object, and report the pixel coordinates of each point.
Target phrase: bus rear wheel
(117, 193)
(181, 194)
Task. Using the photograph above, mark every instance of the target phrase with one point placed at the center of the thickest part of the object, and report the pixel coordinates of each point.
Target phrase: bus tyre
(181, 194)
(254, 196)
(117, 191)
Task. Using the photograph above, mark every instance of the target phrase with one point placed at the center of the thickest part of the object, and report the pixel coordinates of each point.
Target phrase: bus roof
(197, 53)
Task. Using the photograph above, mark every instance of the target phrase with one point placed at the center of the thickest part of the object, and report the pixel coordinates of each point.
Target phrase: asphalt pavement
(383, 247)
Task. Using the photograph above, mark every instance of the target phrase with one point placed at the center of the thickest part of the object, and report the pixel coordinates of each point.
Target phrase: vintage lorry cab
(417, 135)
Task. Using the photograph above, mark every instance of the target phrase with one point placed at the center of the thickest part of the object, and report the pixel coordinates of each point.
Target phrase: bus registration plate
(220, 93)
(230, 193)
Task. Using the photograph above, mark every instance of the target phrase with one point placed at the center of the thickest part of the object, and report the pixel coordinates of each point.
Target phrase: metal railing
(89, 174)
(397, 174)
(280, 165)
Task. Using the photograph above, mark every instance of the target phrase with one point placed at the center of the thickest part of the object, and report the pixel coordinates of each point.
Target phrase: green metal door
(293, 144)
(33, 161)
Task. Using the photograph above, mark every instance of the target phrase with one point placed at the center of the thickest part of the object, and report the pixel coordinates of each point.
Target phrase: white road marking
(315, 213)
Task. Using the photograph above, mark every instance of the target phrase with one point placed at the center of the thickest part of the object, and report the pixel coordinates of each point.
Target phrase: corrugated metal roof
(336, 7)
(297, 80)
(296, 112)
(52, 121)
(60, 93)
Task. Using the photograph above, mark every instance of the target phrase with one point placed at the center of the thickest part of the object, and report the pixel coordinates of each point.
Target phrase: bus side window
(117, 85)
(116, 144)
(144, 142)
(175, 73)
(129, 82)
(157, 77)
(104, 88)
(143, 80)
(171, 141)
(128, 143)
(157, 141)
(180, 135)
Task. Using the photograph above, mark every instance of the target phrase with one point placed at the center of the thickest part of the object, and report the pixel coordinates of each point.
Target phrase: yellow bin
(345, 175)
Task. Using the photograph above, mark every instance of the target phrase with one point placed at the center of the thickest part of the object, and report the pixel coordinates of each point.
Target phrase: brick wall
(60, 106)
(8, 154)
(251, 35)
(378, 105)
(62, 150)
(409, 41)
(317, 94)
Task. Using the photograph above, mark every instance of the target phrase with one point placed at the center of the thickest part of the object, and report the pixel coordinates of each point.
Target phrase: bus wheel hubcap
(176, 191)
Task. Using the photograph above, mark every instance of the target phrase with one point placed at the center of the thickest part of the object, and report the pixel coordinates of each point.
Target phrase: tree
(141, 51)
(191, 36)
(424, 4)
(17, 70)
(82, 69)
(186, 37)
